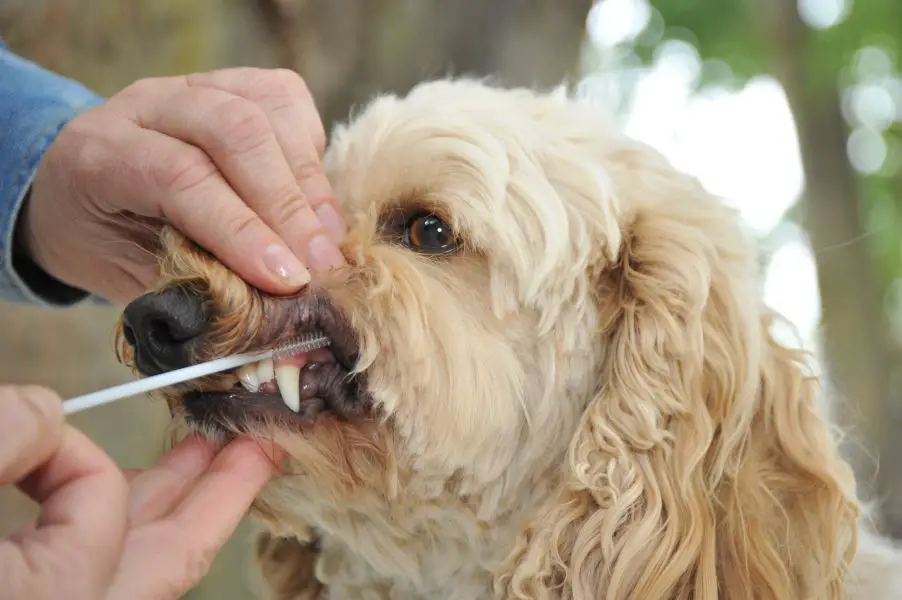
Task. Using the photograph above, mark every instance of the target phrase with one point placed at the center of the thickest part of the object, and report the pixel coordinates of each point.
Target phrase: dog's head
(539, 315)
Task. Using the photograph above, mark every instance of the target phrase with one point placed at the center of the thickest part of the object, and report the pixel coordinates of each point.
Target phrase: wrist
(33, 272)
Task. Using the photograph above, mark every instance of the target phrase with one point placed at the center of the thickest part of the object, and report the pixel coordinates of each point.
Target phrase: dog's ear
(286, 568)
(701, 468)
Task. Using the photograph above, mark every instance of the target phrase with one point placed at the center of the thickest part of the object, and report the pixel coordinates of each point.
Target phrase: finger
(213, 508)
(78, 474)
(82, 521)
(173, 180)
(237, 135)
(287, 103)
(131, 474)
(156, 490)
(30, 430)
(183, 545)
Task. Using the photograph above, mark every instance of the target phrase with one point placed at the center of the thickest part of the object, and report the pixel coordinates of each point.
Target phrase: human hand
(182, 511)
(101, 536)
(230, 157)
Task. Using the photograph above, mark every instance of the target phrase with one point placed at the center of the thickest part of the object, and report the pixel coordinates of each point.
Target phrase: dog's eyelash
(393, 222)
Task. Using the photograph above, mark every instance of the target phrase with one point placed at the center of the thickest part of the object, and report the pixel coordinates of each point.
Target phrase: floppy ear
(701, 468)
(286, 568)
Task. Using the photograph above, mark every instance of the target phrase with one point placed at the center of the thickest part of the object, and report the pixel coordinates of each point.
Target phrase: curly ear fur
(701, 468)
(287, 567)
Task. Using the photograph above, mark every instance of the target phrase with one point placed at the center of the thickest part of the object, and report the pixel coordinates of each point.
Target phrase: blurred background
(789, 109)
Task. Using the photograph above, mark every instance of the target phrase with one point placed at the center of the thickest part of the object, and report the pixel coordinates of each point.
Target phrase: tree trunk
(858, 354)
(348, 50)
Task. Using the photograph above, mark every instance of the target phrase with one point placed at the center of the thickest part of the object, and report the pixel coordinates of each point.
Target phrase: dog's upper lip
(289, 319)
(292, 380)
(319, 313)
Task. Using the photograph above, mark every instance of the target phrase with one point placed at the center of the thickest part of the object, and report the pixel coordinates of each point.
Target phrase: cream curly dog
(550, 375)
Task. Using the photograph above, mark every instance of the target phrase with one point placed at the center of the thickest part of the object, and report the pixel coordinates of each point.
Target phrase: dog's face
(464, 329)
(537, 314)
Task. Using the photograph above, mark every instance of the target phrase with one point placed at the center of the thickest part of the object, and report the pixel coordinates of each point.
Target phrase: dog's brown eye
(429, 234)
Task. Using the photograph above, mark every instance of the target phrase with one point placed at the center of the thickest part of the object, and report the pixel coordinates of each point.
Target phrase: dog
(550, 375)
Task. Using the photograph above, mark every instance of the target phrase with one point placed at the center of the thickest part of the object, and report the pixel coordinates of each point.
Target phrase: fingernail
(323, 254)
(332, 222)
(286, 266)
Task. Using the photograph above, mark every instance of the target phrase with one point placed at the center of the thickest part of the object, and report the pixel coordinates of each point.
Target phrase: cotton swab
(141, 386)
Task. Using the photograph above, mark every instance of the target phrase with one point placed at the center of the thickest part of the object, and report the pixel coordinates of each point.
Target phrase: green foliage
(719, 29)
(869, 23)
(736, 32)
(881, 212)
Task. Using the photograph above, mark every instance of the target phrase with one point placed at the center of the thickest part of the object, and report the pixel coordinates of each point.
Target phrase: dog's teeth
(248, 377)
(265, 371)
(289, 379)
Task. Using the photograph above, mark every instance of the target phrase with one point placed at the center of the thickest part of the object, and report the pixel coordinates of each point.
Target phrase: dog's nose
(162, 328)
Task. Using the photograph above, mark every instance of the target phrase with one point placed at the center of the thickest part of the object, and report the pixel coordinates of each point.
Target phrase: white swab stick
(142, 386)
(305, 343)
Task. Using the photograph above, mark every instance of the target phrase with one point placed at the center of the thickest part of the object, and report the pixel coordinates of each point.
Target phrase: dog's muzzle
(171, 329)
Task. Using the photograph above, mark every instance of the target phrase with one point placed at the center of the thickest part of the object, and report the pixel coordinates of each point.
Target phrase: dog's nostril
(168, 331)
(129, 334)
(162, 328)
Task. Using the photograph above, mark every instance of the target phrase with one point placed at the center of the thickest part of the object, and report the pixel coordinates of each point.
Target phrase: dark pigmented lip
(324, 387)
(317, 313)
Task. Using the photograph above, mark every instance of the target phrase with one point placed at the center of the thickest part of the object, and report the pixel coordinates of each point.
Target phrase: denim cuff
(35, 105)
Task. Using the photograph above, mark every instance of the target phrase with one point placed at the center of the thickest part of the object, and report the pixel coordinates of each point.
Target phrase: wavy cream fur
(585, 402)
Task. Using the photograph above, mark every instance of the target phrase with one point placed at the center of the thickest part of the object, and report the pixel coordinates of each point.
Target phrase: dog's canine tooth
(265, 370)
(248, 377)
(289, 379)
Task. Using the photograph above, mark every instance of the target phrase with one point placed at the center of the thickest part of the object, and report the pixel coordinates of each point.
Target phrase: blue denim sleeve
(35, 104)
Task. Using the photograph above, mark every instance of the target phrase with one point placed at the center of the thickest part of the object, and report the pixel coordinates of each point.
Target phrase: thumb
(30, 431)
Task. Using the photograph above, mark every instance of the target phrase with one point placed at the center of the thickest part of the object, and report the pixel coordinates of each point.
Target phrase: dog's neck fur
(412, 548)
(436, 550)
(439, 531)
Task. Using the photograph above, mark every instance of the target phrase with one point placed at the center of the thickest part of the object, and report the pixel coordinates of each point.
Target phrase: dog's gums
(323, 386)
(550, 376)
(289, 389)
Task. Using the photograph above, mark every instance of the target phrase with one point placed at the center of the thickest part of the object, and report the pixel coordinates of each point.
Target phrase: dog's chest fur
(449, 566)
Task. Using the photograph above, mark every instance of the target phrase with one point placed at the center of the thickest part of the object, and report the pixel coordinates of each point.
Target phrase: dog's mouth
(288, 390)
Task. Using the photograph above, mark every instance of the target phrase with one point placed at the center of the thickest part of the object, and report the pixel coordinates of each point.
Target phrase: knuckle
(197, 563)
(141, 87)
(293, 82)
(288, 206)
(79, 153)
(241, 124)
(35, 414)
(189, 564)
(307, 167)
(237, 225)
(37, 394)
(9, 392)
(269, 84)
(46, 404)
(186, 171)
(319, 138)
(298, 90)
